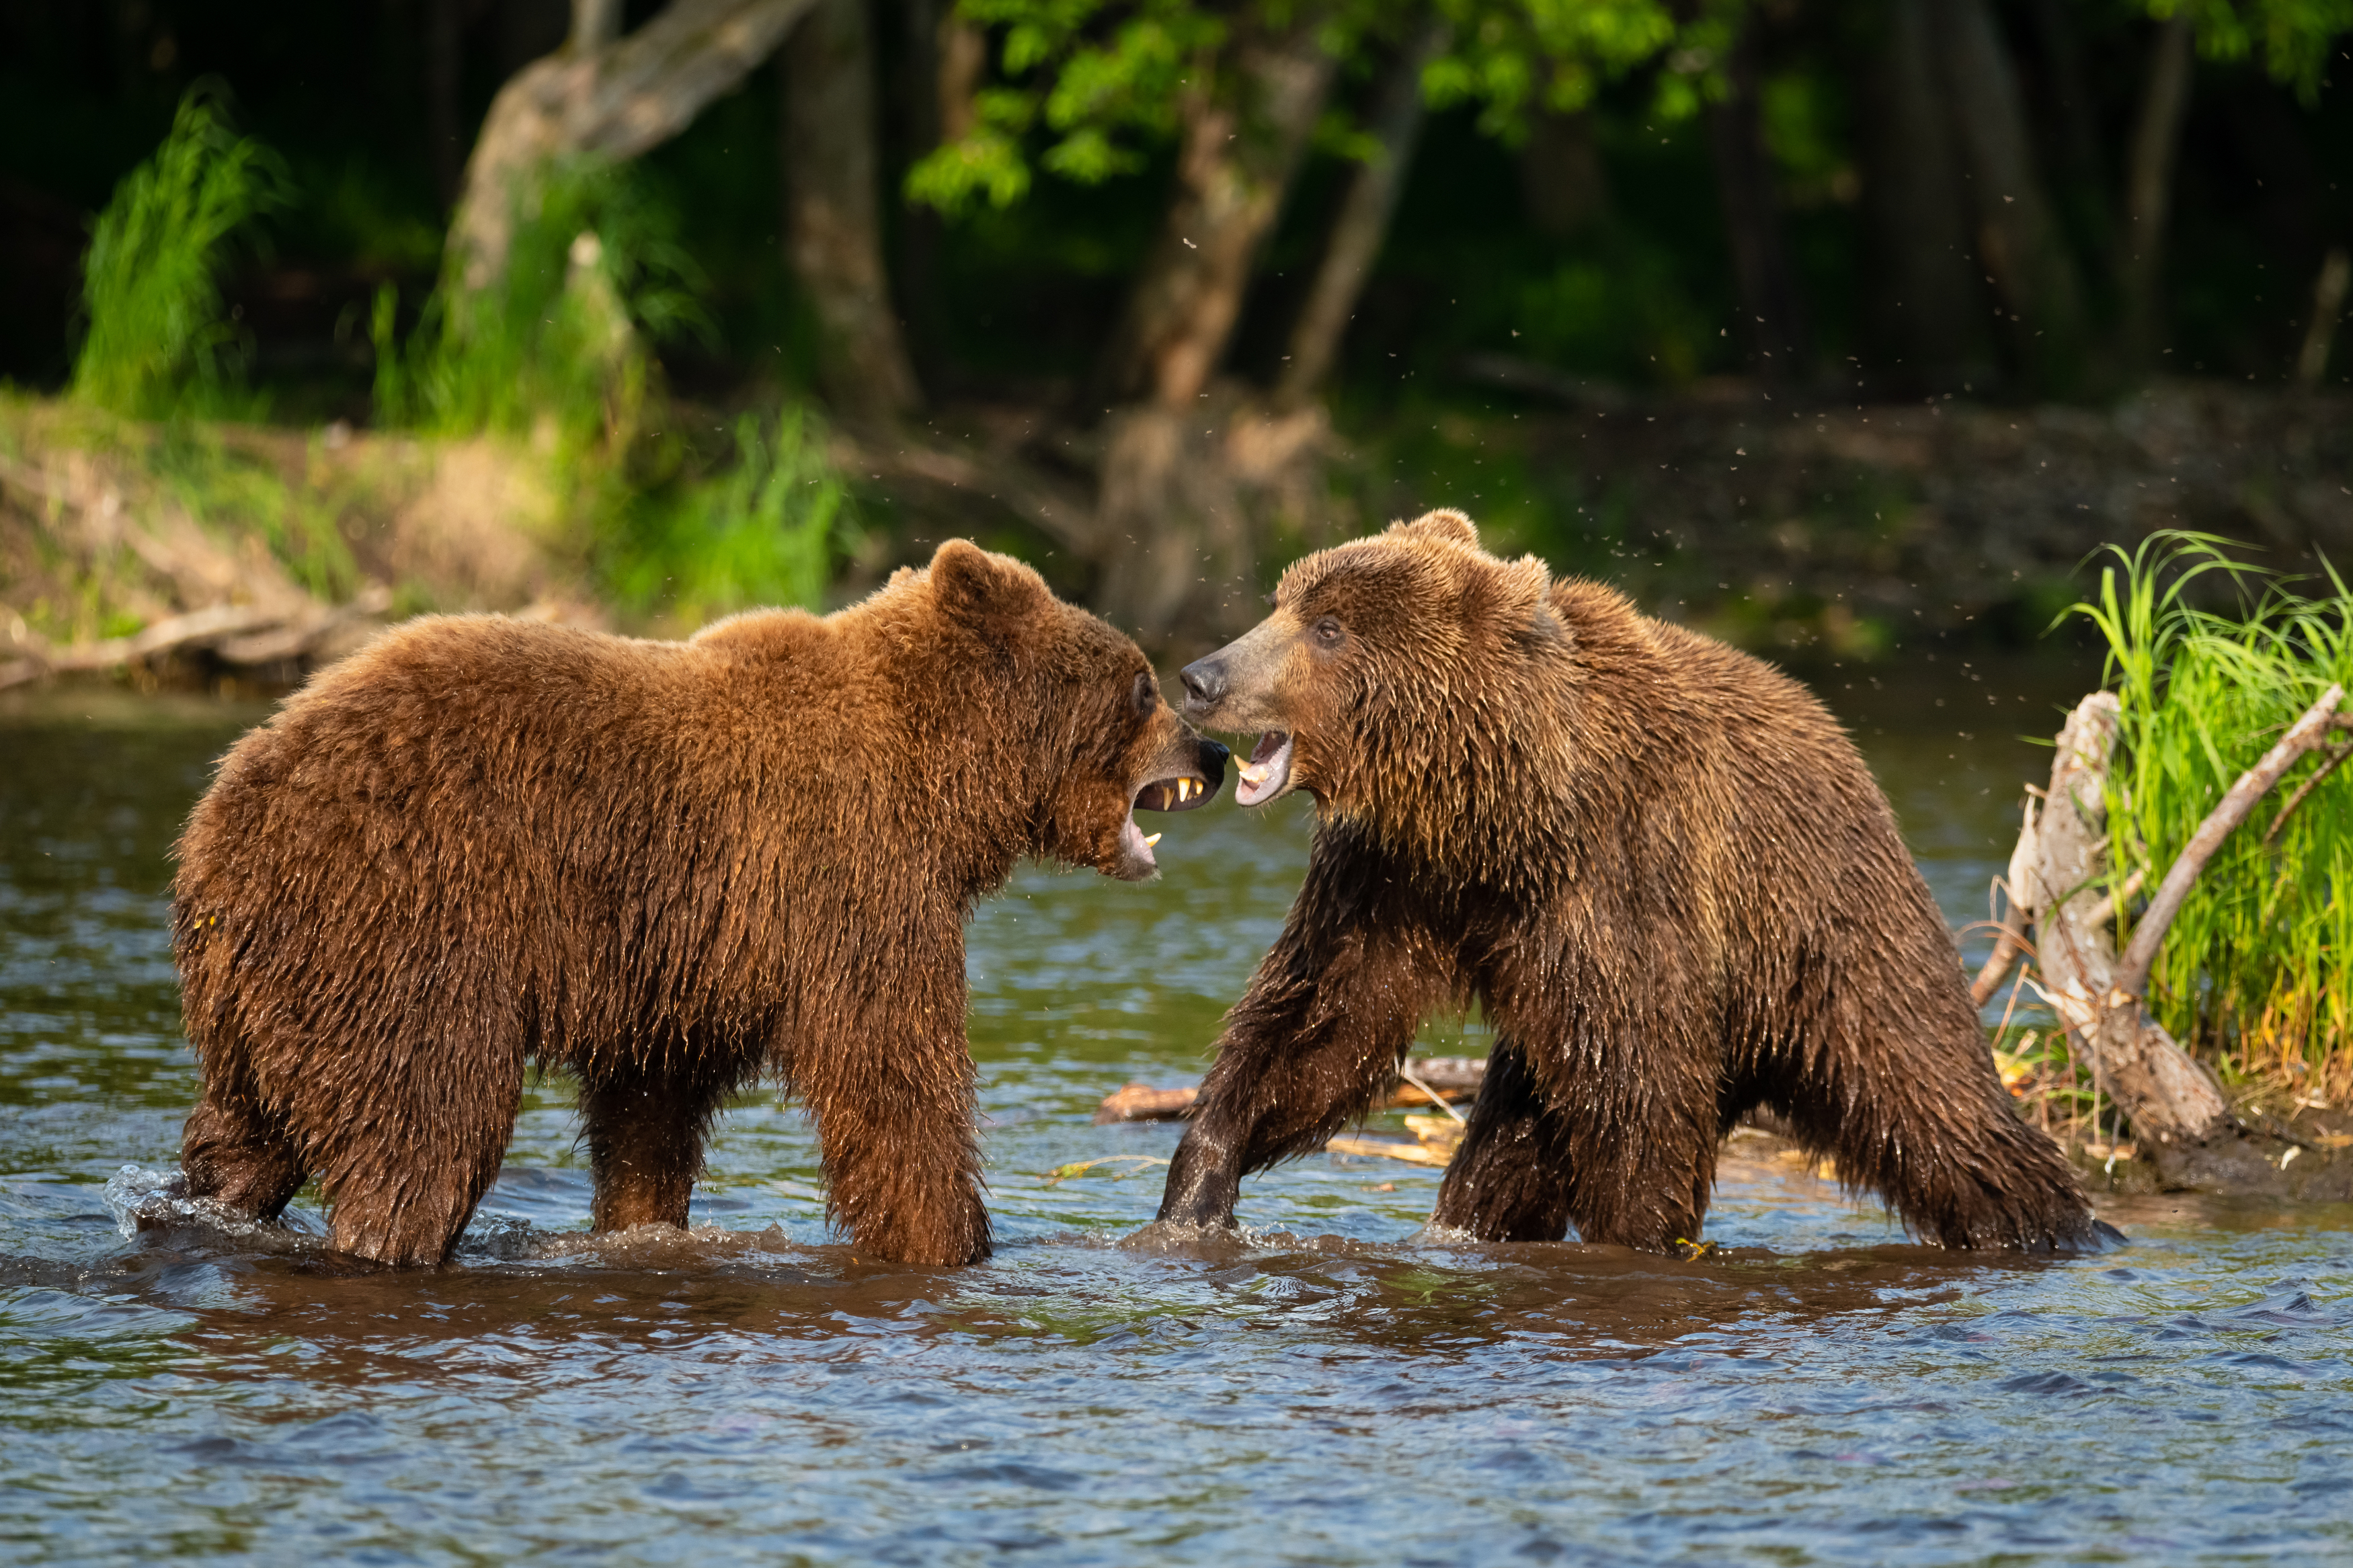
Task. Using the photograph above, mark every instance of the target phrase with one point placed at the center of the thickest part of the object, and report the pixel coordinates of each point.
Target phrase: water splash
(149, 1201)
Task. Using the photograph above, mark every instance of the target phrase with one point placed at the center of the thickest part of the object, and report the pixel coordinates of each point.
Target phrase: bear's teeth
(1254, 774)
(1151, 841)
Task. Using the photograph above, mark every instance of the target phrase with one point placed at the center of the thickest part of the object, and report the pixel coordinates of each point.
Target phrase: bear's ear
(1445, 523)
(1526, 598)
(974, 585)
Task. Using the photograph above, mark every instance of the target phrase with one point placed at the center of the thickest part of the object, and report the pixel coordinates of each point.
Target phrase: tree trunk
(941, 60)
(1927, 304)
(1242, 139)
(2149, 185)
(1175, 540)
(444, 62)
(2328, 310)
(1563, 186)
(613, 102)
(2017, 235)
(833, 227)
(1772, 305)
(1362, 223)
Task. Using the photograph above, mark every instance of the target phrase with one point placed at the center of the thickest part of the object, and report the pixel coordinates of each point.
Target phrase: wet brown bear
(1659, 864)
(666, 867)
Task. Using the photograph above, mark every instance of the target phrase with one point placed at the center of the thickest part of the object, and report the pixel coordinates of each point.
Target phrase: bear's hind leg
(1940, 1143)
(1631, 1127)
(644, 1142)
(238, 1153)
(1510, 1180)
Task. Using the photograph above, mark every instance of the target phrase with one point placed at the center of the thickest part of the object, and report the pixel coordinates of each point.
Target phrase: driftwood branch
(2057, 874)
(2337, 754)
(2182, 1123)
(2012, 944)
(2008, 949)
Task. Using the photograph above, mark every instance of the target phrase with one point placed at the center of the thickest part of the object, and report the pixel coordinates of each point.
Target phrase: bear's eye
(1328, 633)
(1147, 692)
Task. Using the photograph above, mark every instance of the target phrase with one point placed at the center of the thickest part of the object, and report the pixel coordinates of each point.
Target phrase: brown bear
(668, 867)
(1657, 863)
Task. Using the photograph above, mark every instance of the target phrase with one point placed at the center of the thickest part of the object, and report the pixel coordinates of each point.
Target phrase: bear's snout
(1204, 684)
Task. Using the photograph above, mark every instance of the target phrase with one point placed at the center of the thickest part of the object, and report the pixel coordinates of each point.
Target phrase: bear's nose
(1205, 683)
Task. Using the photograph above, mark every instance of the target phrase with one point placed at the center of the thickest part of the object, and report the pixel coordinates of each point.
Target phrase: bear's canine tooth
(1254, 772)
(1151, 841)
(1184, 791)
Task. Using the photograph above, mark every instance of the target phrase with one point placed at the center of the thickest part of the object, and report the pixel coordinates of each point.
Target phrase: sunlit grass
(557, 352)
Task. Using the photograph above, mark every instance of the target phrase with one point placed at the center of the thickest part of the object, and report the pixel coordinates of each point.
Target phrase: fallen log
(245, 636)
(1453, 1079)
(1415, 1153)
(1141, 1102)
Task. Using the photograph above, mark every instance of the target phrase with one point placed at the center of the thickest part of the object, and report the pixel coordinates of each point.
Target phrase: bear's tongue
(1268, 771)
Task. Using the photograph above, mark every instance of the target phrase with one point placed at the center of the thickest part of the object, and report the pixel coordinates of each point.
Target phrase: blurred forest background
(1823, 324)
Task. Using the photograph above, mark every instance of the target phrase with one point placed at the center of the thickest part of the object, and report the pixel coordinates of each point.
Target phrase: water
(1324, 1390)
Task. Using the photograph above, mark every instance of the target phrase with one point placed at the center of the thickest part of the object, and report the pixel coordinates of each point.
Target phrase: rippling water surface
(1325, 1390)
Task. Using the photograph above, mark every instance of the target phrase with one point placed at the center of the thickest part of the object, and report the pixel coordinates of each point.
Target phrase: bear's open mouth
(1186, 792)
(1268, 773)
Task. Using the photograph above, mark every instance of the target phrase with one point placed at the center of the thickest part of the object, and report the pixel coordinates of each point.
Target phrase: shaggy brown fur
(1657, 862)
(666, 867)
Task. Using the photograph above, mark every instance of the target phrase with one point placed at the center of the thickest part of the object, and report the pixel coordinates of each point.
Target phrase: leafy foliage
(155, 338)
(1102, 79)
(1512, 57)
(2294, 35)
(2254, 969)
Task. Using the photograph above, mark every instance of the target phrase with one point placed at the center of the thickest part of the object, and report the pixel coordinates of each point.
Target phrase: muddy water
(1324, 1390)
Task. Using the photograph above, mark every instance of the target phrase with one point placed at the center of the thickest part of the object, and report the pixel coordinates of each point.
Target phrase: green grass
(557, 343)
(155, 343)
(765, 532)
(2253, 974)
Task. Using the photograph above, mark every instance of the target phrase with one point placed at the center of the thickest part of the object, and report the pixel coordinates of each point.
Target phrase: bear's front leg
(893, 1098)
(1319, 1035)
(1600, 1110)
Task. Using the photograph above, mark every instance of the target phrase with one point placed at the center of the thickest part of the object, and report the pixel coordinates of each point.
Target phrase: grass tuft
(2253, 975)
(763, 531)
(156, 343)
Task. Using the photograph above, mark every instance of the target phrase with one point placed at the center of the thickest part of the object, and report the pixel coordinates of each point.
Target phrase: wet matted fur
(669, 868)
(1657, 862)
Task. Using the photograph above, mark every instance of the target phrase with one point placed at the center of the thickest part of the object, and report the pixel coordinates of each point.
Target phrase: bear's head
(1396, 680)
(1080, 735)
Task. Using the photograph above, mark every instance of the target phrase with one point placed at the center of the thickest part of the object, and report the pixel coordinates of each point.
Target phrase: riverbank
(1810, 532)
(193, 553)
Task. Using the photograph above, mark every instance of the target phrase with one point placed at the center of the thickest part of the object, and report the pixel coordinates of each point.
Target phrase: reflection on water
(1324, 1390)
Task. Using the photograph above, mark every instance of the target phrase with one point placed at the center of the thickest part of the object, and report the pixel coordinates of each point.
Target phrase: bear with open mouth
(671, 867)
(1658, 864)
